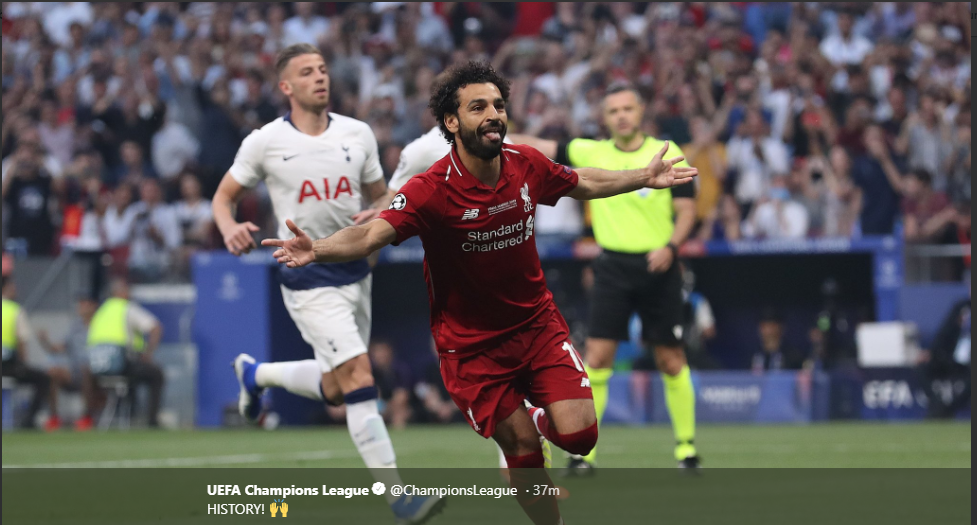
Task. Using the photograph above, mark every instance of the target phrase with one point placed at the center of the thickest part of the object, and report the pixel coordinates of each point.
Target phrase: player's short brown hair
(295, 50)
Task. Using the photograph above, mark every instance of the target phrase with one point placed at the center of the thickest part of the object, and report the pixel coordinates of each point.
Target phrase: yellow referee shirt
(636, 222)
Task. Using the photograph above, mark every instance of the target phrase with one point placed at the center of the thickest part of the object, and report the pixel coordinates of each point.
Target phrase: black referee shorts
(623, 285)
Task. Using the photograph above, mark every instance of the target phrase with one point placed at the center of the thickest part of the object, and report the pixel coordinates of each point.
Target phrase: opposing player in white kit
(318, 167)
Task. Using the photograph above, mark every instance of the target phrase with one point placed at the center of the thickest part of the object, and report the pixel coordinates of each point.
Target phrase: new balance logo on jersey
(527, 202)
(470, 214)
(585, 383)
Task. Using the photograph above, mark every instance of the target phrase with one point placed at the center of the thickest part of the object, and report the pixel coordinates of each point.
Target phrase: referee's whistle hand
(664, 174)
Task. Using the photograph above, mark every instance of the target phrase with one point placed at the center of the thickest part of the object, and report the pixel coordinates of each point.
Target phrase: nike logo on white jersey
(470, 214)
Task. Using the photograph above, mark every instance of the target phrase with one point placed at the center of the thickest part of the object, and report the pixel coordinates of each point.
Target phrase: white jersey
(315, 181)
(418, 156)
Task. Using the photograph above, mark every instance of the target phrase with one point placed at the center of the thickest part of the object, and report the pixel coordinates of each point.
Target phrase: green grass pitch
(817, 446)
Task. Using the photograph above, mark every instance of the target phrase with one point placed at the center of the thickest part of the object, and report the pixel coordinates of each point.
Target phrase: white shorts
(335, 321)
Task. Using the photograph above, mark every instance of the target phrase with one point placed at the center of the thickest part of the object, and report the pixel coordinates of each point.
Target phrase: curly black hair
(444, 94)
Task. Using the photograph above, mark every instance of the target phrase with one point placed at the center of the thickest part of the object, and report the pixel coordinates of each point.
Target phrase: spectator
(393, 380)
(305, 26)
(68, 367)
(194, 213)
(175, 148)
(845, 47)
(872, 173)
(708, 155)
(122, 338)
(119, 217)
(57, 133)
(947, 364)
(699, 326)
(807, 186)
(844, 198)
(756, 158)
(60, 17)
(221, 130)
(927, 213)
(774, 354)
(133, 167)
(196, 221)
(28, 197)
(16, 332)
(92, 243)
(959, 165)
(141, 118)
(779, 216)
(257, 108)
(156, 234)
(931, 142)
(722, 223)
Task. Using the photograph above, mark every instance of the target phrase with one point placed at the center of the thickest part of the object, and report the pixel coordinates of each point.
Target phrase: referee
(637, 272)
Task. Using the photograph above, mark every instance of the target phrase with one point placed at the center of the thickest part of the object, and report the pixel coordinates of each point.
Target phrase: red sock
(581, 442)
(525, 473)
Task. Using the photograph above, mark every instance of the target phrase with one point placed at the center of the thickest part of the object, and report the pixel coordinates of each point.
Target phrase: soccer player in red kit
(499, 335)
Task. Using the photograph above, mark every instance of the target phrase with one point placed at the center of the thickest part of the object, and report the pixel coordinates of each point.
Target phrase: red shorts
(538, 363)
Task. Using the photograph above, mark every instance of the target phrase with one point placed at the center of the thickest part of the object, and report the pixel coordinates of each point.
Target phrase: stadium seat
(118, 402)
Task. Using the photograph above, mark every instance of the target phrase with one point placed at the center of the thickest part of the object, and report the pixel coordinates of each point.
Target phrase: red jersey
(482, 269)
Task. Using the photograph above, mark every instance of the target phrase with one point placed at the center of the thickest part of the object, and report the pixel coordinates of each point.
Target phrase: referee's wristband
(674, 249)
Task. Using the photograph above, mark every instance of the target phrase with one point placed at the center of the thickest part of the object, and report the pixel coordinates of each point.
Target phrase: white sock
(502, 462)
(302, 378)
(370, 436)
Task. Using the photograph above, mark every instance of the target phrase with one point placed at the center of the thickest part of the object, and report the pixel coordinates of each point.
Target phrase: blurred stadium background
(119, 119)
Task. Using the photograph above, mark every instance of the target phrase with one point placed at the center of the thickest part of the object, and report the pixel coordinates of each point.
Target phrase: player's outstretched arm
(348, 244)
(660, 174)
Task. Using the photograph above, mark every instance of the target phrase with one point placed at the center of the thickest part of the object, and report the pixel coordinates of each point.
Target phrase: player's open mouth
(493, 134)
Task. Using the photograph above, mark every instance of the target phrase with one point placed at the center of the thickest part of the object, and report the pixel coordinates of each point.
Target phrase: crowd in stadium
(804, 120)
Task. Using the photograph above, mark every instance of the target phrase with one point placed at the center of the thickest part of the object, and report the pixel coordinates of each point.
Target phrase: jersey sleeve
(247, 169)
(409, 165)
(555, 179)
(372, 171)
(415, 209)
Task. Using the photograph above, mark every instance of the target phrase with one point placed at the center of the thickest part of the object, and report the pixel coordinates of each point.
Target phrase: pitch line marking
(202, 461)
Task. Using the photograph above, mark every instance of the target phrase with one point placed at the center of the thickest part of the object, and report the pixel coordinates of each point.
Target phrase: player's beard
(475, 142)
